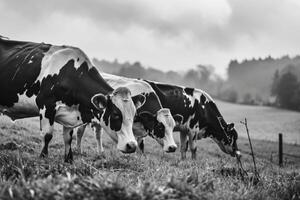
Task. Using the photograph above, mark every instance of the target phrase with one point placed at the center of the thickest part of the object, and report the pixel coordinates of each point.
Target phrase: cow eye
(115, 116)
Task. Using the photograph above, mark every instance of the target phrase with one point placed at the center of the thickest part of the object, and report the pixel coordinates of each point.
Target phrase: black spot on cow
(189, 91)
(159, 130)
(71, 134)
(203, 99)
(112, 116)
(20, 65)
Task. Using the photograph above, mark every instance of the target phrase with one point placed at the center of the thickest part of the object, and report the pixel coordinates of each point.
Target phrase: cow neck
(152, 104)
(83, 83)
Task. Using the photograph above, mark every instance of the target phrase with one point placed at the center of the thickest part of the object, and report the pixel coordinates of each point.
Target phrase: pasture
(155, 175)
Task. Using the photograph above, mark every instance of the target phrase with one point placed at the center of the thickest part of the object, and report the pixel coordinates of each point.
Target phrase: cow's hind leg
(47, 131)
(80, 132)
(183, 144)
(68, 132)
(192, 139)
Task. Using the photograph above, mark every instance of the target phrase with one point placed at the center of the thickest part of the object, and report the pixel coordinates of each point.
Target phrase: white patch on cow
(25, 107)
(191, 98)
(136, 86)
(198, 93)
(165, 117)
(67, 116)
(57, 56)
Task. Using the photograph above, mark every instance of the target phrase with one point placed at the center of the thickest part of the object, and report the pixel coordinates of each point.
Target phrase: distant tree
(133, 71)
(191, 78)
(229, 94)
(205, 73)
(286, 91)
(247, 99)
(275, 83)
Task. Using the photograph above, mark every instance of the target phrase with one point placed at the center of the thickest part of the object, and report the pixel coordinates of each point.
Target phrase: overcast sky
(165, 34)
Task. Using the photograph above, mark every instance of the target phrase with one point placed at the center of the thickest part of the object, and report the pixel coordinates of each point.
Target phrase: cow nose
(130, 147)
(171, 149)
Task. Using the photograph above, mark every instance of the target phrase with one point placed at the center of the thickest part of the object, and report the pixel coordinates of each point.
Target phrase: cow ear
(138, 100)
(146, 115)
(222, 122)
(99, 101)
(147, 119)
(178, 118)
(230, 126)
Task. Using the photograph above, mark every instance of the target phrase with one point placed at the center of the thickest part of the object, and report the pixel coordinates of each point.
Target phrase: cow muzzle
(169, 145)
(130, 148)
(171, 149)
(126, 142)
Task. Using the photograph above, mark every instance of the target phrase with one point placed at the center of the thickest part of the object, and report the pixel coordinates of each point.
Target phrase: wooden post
(280, 149)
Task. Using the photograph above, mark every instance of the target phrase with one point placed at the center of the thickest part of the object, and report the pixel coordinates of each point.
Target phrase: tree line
(262, 81)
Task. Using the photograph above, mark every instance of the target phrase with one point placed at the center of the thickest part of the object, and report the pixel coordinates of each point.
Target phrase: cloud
(160, 33)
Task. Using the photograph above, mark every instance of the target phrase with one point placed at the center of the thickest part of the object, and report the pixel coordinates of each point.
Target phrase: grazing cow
(59, 83)
(152, 119)
(200, 117)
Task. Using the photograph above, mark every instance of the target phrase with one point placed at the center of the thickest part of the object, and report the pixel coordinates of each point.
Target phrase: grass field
(155, 175)
(264, 122)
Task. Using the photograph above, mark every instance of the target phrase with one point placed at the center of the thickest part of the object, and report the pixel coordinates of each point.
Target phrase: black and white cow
(59, 83)
(151, 119)
(200, 117)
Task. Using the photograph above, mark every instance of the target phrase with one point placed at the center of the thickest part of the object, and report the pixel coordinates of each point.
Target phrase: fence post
(280, 149)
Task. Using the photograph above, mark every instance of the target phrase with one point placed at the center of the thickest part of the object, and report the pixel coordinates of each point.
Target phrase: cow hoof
(69, 158)
(194, 153)
(43, 154)
(183, 156)
(77, 152)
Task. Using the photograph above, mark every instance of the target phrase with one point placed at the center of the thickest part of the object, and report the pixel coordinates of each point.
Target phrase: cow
(199, 115)
(152, 118)
(60, 84)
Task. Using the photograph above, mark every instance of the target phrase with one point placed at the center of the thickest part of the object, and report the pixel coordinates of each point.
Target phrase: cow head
(228, 143)
(222, 133)
(118, 111)
(159, 126)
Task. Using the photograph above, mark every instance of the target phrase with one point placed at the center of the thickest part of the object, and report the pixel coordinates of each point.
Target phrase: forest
(263, 81)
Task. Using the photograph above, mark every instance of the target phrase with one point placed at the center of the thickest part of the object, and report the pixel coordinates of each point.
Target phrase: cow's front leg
(98, 134)
(80, 132)
(183, 144)
(192, 143)
(140, 141)
(68, 133)
(47, 130)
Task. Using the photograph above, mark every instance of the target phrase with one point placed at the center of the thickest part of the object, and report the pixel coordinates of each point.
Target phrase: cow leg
(47, 131)
(183, 144)
(140, 142)
(80, 132)
(192, 144)
(98, 134)
(68, 133)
